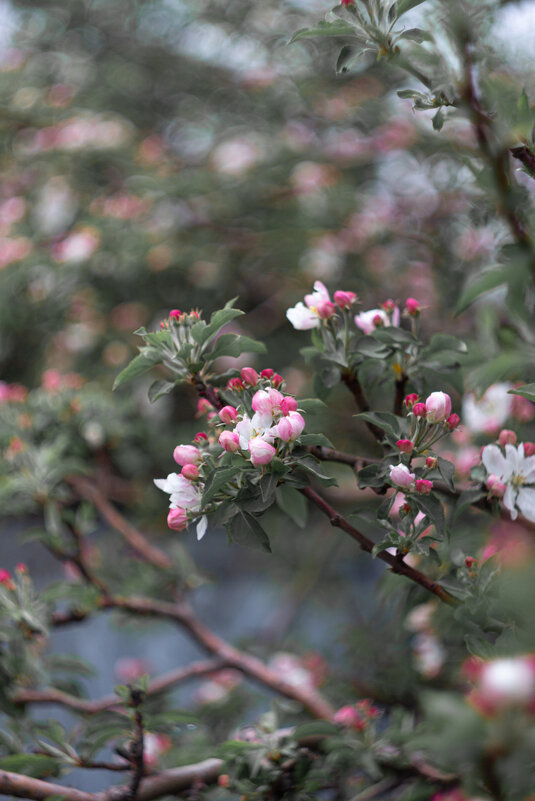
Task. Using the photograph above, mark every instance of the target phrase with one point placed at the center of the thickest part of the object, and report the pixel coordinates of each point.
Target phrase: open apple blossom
(516, 472)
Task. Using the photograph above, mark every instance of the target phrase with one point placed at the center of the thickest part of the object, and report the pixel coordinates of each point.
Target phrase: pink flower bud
(228, 414)
(249, 376)
(203, 407)
(229, 441)
(297, 422)
(347, 2)
(431, 462)
(344, 299)
(288, 404)
(5, 576)
(389, 306)
(405, 508)
(261, 451)
(20, 567)
(177, 519)
(401, 475)
(191, 472)
(529, 448)
(235, 384)
(267, 373)
(175, 314)
(275, 398)
(470, 561)
(277, 380)
(261, 402)
(498, 489)
(186, 454)
(453, 421)
(507, 437)
(347, 715)
(283, 429)
(325, 309)
(200, 436)
(410, 400)
(438, 407)
(423, 486)
(378, 321)
(419, 409)
(412, 306)
(405, 445)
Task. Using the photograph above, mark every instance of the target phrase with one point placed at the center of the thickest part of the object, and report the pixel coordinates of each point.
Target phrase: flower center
(517, 479)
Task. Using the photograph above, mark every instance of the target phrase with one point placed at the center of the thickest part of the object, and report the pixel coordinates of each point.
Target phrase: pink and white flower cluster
(275, 417)
(511, 476)
(185, 490)
(318, 306)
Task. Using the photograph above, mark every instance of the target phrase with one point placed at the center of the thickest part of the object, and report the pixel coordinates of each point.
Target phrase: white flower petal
(495, 462)
(302, 318)
(526, 503)
(509, 501)
(202, 525)
(162, 484)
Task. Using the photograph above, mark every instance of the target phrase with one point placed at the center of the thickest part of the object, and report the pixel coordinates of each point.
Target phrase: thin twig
(137, 746)
(136, 540)
(51, 695)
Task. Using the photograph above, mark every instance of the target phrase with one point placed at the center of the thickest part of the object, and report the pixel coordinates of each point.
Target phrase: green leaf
(217, 480)
(416, 35)
(338, 28)
(159, 388)
(315, 439)
(293, 503)
(245, 529)
(491, 279)
(466, 498)
(438, 120)
(140, 364)
(373, 475)
(35, 765)
(405, 5)
(447, 471)
(526, 391)
(203, 333)
(388, 422)
(432, 507)
(310, 465)
(234, 345)
(312, 406)
(319, 728)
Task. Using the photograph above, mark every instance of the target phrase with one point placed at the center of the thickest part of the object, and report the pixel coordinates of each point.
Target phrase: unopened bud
(410, 400)
(419, 410)
(405, 445)
(249, 376)
(423, 486)
(507, 437)
(453, 421)
(191, 472)
(431, 462)
(236, 385)
(276, 380)
(344, 299)
(529, 448)
(412, 306)
(470, 561)
(267, 373)
(228, 414)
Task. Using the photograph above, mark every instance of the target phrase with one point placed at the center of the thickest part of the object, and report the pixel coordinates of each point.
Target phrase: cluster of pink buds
(249, 377)
(275, 417)
(319, 307)
(177, 317)
(435, 409)
(358, 716)
(401, 476)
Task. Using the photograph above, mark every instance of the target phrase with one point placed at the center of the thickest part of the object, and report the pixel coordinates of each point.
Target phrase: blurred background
(163, 154)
